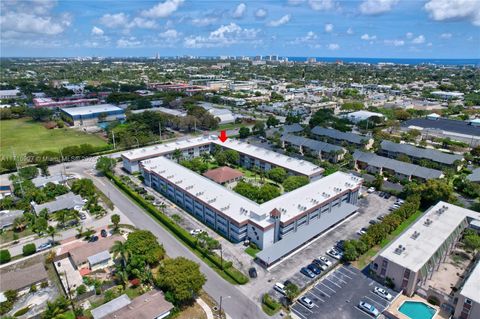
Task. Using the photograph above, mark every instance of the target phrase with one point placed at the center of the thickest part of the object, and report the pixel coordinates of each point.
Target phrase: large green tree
(105, 164)
(144, 243)
(181, 278)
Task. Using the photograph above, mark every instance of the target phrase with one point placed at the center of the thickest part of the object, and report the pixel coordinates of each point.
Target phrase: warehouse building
(437, 127)
(410, 260)
(375, 164)
(93, 114)
(417, 154)
(250, 155)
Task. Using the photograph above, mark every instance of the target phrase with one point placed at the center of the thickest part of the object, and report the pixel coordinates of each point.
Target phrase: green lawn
(252, 251)
(24, 135)
(366, 258)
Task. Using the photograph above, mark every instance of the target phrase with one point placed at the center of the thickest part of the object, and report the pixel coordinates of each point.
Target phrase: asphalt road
(235, 303)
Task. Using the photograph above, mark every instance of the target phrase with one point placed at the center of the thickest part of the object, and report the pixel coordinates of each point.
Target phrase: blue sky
(322, 28)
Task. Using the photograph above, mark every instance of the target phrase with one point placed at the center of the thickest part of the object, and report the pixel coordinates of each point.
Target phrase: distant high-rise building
(157, 56)
(312, 60)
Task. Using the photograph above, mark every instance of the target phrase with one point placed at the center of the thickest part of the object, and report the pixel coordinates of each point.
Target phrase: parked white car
(306, 302)
(371, 190)
(325, 261)
(383, 293)
(280, 288)
(368, 308)
(195, 232)
(335, 254)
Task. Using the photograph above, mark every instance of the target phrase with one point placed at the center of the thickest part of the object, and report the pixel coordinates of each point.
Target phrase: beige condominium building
(411, 259)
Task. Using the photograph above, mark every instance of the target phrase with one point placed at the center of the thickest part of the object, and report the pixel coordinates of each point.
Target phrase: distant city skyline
(437, 29)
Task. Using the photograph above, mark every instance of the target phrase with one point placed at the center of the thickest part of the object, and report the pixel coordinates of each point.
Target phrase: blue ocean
(475, 62)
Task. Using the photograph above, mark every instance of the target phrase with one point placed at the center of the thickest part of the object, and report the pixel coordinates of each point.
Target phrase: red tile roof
(223, 174)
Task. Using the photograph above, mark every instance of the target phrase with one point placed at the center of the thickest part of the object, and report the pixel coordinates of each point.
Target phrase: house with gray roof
(21, 279)
(8, 216)
(65, 201)
(318, 149)
(341, 138)
(285, 129)
(99, 260)
(417, 154)
(475, 176)
(376, 164)
(150, 305)
(41, 181)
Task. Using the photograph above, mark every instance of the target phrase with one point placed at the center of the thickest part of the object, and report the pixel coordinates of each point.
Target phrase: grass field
(23, 136)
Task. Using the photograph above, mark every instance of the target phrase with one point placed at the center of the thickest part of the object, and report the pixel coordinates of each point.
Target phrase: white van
(280, 288)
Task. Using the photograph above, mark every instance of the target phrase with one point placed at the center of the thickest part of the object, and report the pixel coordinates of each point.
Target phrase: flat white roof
(471, 288)
(417, 251)
(91, 109)
(290, 163)
(242, 209)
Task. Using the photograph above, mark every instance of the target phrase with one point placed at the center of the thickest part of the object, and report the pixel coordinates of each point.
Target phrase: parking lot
(337, 296)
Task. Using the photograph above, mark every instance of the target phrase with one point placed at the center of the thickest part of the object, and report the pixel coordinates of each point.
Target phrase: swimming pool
(417, 310)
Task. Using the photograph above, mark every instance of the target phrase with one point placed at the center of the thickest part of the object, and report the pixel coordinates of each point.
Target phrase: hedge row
(181, 233)
(378, 232)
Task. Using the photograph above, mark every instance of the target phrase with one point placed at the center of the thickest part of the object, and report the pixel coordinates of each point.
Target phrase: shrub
(433, 300)
(21, 312)
(33, 288)
(29, 249)
(44, 284)
(5, 256)
(81, 289)
(135, 282)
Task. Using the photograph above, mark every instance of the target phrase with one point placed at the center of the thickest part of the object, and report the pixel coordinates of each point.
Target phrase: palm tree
(61, 216)
(206, 157)
(79, 231)
(177, 155)
(19, 223)
(52, 231)
(122, 276)
(120, 249)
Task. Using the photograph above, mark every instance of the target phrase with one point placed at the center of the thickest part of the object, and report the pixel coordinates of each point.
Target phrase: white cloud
(131, 42)
(419, 40)
(310, 37)
(321, 5)
(97, 31)
(225, 35)
(333, 46)
(283, 20)
(239, 11)
(203, 22)
(374, 7)
(446, 35)
(328, 27)
(163, 9)
(368, 37)
(409, 35)
(142, 23)
(429, 44)
(295, 2)
(29, 23)
(350, 31)
(441, 10)
(114, 20)
(170, 34)
(261, 13)
(395, 43)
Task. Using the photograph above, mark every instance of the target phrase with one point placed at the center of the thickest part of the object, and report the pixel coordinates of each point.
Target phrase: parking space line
(316, 296)
(328, 287)
(348, 270)
(375, 302)
(343, 273)
(333, 283)
(323, 292)
(339, 278)
(298, 313)
(382, 300)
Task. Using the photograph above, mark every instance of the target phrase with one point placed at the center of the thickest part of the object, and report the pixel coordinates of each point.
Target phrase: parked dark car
(103, 233)
(287, 282)
(252, 272)
(314, 269)
(372, 222)
(340, 244)
(387, 196)
(93, 239)
(307, 272)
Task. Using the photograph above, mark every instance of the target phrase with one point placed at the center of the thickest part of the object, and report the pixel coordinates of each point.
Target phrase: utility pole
(16, 168)
(160, 130)
(113, 138)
